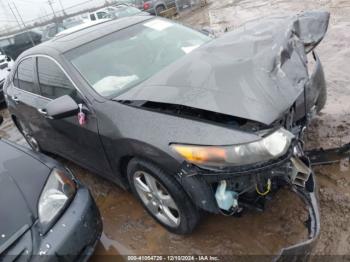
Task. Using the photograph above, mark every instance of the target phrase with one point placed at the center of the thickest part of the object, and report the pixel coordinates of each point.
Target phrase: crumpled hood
(255, 72)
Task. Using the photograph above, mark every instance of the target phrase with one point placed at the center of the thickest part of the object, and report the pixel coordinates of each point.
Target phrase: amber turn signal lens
(201, 154)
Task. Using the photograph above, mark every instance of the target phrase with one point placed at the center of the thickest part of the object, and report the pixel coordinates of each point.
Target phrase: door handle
(42, 112)
(15, 99)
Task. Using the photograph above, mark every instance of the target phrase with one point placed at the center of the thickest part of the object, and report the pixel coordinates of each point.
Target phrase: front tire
(163, 197)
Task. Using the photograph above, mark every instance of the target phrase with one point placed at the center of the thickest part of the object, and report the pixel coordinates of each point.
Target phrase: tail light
(146, 6)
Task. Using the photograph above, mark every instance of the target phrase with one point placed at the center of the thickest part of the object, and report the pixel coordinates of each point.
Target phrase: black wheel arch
(159, 5)
(14, 120)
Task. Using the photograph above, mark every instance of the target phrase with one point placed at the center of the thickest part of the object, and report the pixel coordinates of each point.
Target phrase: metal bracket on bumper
(329, 156)
(302, 251)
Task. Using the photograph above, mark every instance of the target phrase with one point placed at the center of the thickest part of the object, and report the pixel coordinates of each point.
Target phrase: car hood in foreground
(255, 72)
(22, 178)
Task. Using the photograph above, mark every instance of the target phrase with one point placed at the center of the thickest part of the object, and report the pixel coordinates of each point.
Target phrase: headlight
(270, 147)
(56, 195)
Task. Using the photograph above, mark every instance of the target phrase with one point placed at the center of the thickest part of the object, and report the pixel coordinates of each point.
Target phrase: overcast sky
(33, 9)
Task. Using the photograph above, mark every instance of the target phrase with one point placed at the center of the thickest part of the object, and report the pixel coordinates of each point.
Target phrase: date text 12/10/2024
(173, 258)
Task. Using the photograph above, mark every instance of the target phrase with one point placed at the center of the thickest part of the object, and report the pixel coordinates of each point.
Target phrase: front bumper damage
(302, 251)
(292, 171)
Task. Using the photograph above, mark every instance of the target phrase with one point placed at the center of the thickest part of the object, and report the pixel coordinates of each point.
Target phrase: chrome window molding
(30, 93)
(58, 64)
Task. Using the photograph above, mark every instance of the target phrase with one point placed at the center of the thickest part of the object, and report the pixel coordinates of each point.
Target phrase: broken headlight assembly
(59, 190)
(269, 147)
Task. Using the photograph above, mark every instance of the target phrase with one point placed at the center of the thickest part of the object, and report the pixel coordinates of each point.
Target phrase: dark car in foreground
(187, 122)
(45, 211)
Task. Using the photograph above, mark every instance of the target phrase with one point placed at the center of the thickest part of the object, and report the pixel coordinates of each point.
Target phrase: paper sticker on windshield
(158, 24)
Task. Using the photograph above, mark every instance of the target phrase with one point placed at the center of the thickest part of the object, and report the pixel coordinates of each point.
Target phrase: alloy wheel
(157, 199)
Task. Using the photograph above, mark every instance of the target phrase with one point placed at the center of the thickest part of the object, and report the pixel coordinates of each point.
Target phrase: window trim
(16, 73)
(36, 72)
(36, 62)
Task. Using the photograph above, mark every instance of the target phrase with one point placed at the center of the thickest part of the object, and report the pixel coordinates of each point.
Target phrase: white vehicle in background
(99, 14)
(6, 64)
(113, 12)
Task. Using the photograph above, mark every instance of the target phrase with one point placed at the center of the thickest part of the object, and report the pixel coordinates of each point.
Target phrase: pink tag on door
(81, 116)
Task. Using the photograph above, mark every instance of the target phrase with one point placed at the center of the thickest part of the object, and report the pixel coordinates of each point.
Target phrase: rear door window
(24, 77)
(53, 81)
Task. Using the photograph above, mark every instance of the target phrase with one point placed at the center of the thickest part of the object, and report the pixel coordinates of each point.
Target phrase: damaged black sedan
(187, 122)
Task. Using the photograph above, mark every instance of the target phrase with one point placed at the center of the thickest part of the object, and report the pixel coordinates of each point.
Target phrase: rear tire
(184, 215)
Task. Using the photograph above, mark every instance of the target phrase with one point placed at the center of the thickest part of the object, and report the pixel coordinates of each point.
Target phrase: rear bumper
(76, 233)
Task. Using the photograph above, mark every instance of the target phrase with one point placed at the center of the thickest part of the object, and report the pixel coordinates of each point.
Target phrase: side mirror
(61, 107)
(1, 120)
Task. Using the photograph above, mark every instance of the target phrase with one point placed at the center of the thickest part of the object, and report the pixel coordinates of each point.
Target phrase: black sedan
(187, 122)
(45, 211)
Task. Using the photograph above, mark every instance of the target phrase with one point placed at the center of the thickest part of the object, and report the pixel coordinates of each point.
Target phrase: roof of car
(75, 39)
